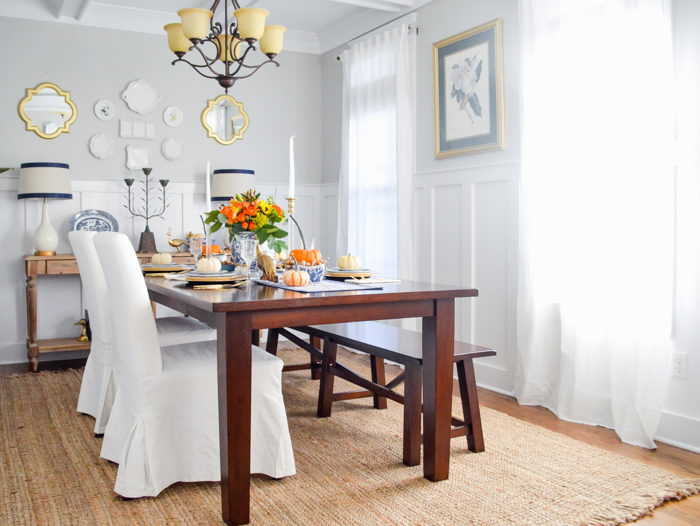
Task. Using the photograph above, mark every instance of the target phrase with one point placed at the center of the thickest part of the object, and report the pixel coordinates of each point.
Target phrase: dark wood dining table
(237, 313)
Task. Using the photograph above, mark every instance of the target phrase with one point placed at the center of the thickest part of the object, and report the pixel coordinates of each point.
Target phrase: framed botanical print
(469, 91)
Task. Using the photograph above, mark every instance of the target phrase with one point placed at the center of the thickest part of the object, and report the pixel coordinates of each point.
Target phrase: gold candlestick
(290, 208)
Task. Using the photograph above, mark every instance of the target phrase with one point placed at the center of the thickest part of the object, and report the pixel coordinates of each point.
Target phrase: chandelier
(232, 41)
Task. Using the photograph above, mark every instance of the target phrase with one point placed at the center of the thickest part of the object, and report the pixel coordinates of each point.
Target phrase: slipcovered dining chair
(98, 387)
(164, 426)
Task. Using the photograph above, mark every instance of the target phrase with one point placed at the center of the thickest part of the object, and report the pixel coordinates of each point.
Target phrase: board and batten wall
(94, 64)
(466, 208)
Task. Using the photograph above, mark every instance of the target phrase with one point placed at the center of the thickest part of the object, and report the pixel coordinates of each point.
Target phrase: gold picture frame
(32, 126)
(211, 121)
(468, 83)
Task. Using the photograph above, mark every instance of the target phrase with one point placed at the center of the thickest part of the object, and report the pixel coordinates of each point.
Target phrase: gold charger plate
(164, 269)
(332, 274)
(215, 279)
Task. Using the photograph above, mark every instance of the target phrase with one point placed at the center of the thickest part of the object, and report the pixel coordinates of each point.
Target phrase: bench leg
(378, 377)
(470, 405)
(325, 391)
(256, 337)
(315, 362)
(272, 339)
(412, 412)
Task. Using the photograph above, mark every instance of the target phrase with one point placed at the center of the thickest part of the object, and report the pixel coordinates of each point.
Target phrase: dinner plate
(348, 271)
(173, 116)
(164, 265)
(142, 96)
(101, 146)
(137, 157)
(213, 279)
(93, 221)
(172, 148)
(105, 110)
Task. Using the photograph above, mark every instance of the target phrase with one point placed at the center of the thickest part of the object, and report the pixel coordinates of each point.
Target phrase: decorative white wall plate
(137, 129)
(102, 146)
(142, 96)
(173, 148)
(105, 110)
(137, 157)
(173, 116)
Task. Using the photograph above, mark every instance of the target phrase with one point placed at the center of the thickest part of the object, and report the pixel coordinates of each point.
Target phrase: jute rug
(349, 471)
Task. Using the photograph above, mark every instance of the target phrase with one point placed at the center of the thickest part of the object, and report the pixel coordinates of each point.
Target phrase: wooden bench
(384, 342)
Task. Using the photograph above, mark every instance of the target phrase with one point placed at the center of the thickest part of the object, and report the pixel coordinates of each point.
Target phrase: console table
(35, 266)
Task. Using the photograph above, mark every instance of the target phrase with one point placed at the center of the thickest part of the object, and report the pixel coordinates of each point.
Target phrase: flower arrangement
(248, 213)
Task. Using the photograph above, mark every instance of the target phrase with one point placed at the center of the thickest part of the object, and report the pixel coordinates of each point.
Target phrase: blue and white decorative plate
(94, 221)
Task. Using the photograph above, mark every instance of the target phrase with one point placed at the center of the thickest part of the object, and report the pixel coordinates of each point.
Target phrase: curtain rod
(410, 28)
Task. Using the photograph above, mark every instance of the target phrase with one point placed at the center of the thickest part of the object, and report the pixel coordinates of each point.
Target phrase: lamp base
(147, 243)
(44, 253)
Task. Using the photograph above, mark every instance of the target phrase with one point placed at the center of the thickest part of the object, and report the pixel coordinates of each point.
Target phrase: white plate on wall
(142, 96)
(101, 146)
(173, 148)
(137, 157)
(173, 116)
(105, 110)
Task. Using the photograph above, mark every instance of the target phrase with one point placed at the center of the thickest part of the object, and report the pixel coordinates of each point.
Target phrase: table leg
(438, 359)
(32, 347)
(234, 380)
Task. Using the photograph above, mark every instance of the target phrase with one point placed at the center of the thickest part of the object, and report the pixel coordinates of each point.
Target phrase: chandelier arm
(207, 62)
(256, 68)
(241, 60)
(195, 67)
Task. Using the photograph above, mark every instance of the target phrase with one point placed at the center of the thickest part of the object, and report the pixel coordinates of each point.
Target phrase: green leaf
(215, 227)
(262, 236)
(279, 233)
(282, 244)
(222, 219)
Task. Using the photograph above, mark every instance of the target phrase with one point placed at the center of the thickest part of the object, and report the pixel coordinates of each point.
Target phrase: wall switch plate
(680, 365)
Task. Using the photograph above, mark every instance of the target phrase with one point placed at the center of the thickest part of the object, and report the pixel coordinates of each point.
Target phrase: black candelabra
(147, 243)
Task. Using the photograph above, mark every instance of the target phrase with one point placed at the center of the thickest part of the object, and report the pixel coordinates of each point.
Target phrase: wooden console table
(53, 266)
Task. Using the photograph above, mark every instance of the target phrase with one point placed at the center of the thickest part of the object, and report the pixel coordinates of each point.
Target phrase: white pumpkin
(162, 259)
(209, 265)
(349, 262)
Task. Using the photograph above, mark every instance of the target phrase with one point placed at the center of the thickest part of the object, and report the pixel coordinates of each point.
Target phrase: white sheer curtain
(374, 217)
(596, 240)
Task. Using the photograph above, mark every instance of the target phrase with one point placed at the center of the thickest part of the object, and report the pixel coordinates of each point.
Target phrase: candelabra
(291, 200)
(147, 243)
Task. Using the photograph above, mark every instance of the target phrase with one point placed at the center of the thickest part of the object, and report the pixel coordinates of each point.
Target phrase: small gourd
(310, 257)
(208, 265)
(349, 262)
(162, 259)
(296, 277)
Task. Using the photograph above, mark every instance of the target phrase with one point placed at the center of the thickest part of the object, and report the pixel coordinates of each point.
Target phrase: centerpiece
(246, 215)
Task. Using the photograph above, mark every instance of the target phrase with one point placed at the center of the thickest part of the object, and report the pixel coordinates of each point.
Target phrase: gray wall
(96, 64)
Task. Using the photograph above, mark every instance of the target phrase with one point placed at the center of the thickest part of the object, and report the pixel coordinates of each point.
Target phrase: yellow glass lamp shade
(176, 39)
(251, 22)
(271, 41)
(234, 48)
(195, 22)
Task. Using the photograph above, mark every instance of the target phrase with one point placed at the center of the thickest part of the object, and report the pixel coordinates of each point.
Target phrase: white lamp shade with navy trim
(226, 183)
(44, 181)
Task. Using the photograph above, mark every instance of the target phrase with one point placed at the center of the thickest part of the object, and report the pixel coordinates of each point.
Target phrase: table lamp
(44, 181)
(228, 182)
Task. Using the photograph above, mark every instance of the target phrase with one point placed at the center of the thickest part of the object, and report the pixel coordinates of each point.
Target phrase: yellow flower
(260, 220)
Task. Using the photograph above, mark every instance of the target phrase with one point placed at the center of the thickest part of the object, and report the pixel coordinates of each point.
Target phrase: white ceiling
(313, 26)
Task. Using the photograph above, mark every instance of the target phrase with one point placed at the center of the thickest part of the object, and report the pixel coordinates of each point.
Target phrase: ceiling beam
(71, 8)
(372, 4)
(83, 9)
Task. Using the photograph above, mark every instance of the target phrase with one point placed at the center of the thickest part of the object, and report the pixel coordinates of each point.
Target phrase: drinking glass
(196, 247)
(249, 251)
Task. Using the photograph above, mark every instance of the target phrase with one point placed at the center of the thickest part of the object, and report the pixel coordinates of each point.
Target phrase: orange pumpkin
(311, 257)
(215, 249)
(296, 277)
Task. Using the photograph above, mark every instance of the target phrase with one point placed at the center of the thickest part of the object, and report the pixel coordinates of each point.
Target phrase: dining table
(240, 312)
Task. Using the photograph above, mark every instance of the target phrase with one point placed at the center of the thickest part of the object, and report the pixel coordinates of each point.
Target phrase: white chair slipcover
(98, 387)
(164, 426)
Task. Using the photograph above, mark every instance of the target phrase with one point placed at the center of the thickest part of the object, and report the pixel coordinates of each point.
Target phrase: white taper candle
(207, 186)
(291, 166)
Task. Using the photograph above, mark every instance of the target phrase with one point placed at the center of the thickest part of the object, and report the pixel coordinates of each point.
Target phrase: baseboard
(679, 431)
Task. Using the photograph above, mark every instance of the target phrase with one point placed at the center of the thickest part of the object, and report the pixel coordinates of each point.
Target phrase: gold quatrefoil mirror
(48, 110)
(225, 119)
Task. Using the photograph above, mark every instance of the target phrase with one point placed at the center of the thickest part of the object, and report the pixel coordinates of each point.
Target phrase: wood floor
(675, 460)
